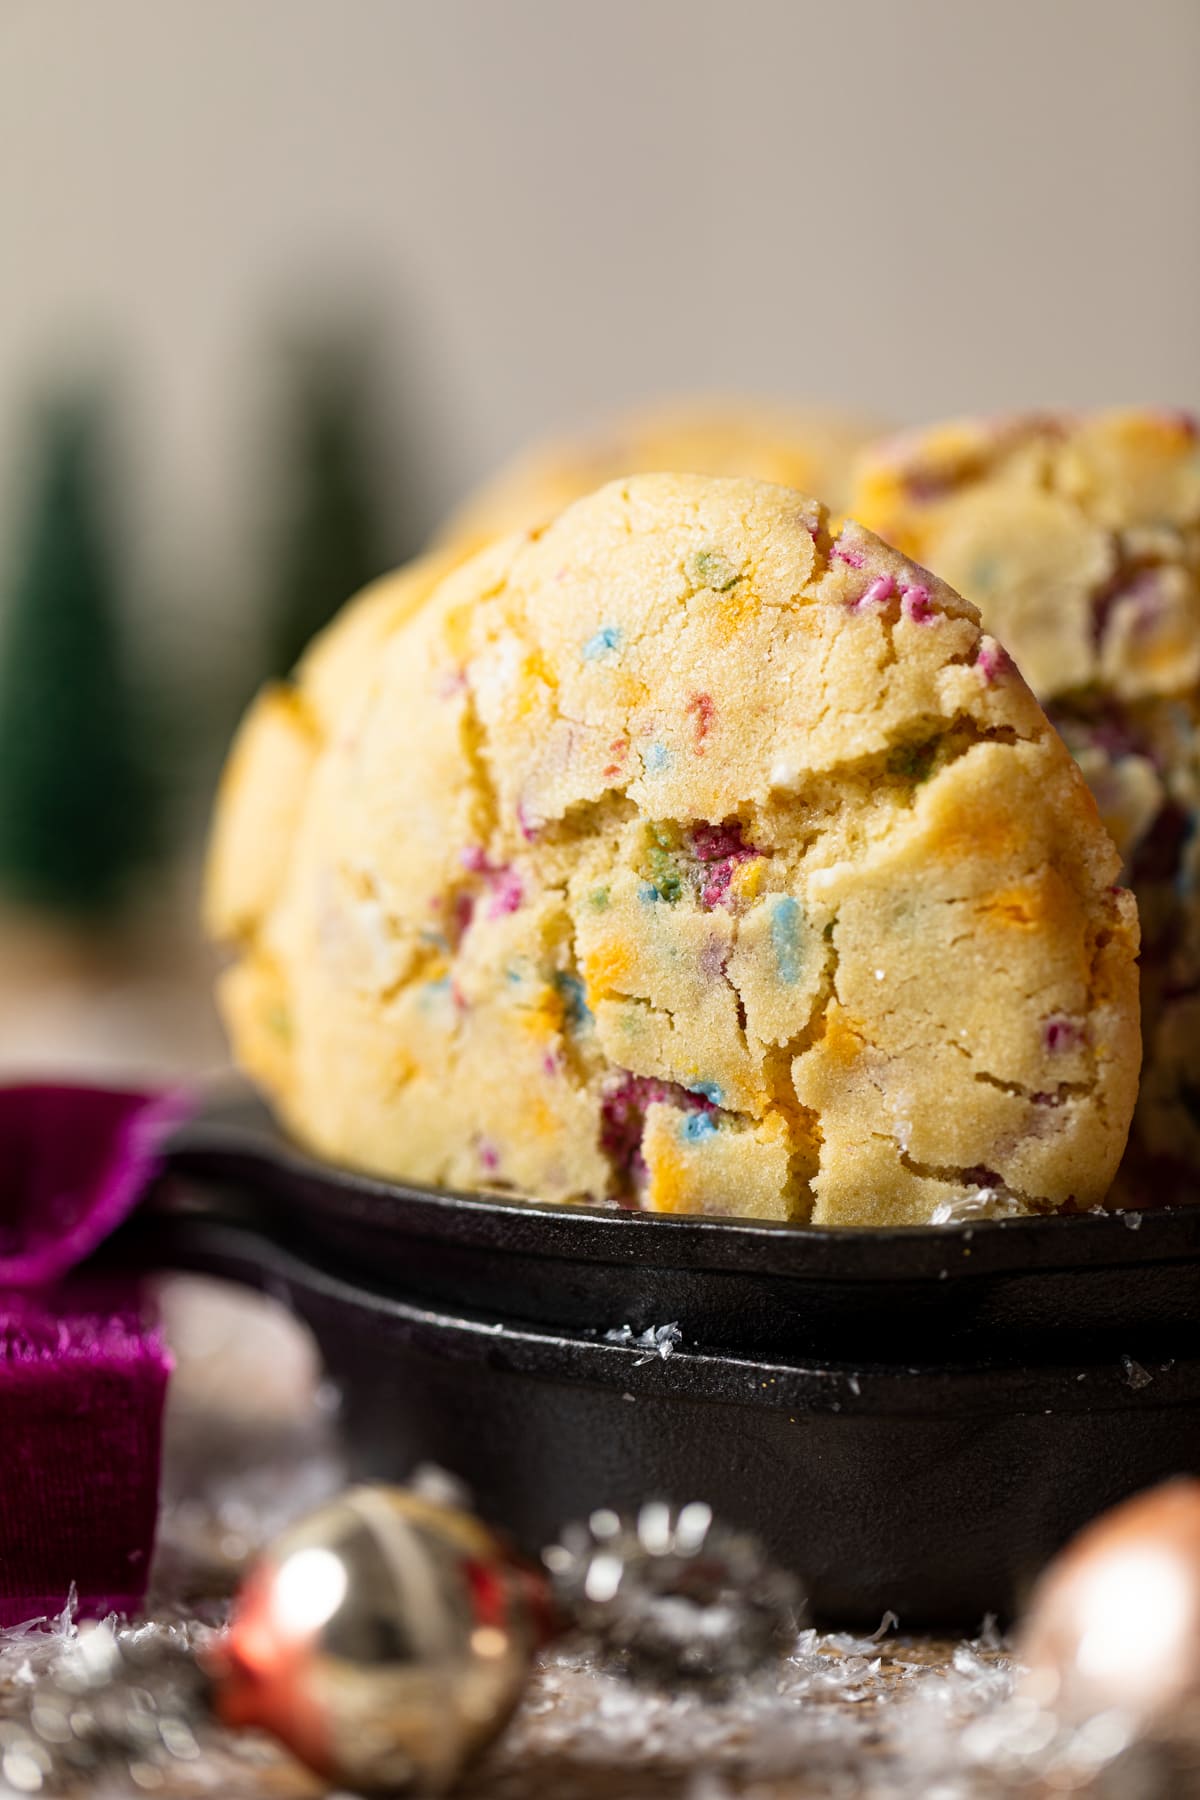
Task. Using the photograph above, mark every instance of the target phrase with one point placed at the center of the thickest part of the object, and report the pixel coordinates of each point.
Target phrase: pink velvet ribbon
(83, 1365)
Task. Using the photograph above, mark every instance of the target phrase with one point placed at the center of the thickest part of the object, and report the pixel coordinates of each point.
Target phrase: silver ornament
(670, 1593)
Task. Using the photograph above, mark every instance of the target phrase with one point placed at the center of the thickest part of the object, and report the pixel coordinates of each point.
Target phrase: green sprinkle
(576, 1011)
(669, 885)
(914, 762)
(708, 568)
(984, 575)
(598, 899)
(663, 874)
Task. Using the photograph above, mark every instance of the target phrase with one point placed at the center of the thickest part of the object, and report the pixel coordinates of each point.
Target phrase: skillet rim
(236, 1141)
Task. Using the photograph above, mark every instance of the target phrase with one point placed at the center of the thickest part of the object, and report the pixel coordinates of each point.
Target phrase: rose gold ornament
(1114, 1623)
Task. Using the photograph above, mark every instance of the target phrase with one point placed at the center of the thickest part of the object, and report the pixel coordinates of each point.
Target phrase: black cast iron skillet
(912, 1419)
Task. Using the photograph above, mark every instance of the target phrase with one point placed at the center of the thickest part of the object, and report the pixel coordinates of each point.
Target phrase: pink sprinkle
(712, 843)
(881, 589)
(1148, 598)
(618, 749)
(713, 957)
(529, 830)
(549, 1063)
(992, 661)
(623, 1119)
(464, 912)
(916, 605)
(489, 1157)
(503, 883)
(1061, 1033)
(722, 848)
(715, 891)
(705, 709)
(507, 893)
(854, 558)
(924, 485)
(452, 683)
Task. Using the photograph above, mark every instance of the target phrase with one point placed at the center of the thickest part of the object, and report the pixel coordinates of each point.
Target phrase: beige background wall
(911, 206)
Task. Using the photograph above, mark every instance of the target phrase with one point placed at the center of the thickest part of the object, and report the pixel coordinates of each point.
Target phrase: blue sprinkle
(603, 643)
(433, 992)
(785, 935)
(648, 893)
(696, 1127)
(657, 758)
(709, 1089)
(576, 1011)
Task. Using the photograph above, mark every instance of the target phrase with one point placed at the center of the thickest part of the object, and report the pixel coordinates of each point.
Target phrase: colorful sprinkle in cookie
(690, 857)
(809, 450)
(1079, 539)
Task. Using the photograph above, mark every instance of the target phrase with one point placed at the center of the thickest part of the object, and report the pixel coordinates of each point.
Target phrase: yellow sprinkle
(963, 832)
(665, 1191)
(540, 1118)
(545, 1017)
(457, 630)
(536, 677)
(605, 969)
(843, 1041)
(748, 878)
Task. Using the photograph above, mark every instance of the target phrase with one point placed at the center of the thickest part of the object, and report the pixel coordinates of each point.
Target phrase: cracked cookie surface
(688, 856)
(1079, 539)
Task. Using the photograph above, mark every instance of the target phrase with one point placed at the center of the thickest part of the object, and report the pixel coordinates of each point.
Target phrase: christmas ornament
(671, 1593)
(1114, 1623)
(387, 1638)
(384, 1640)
